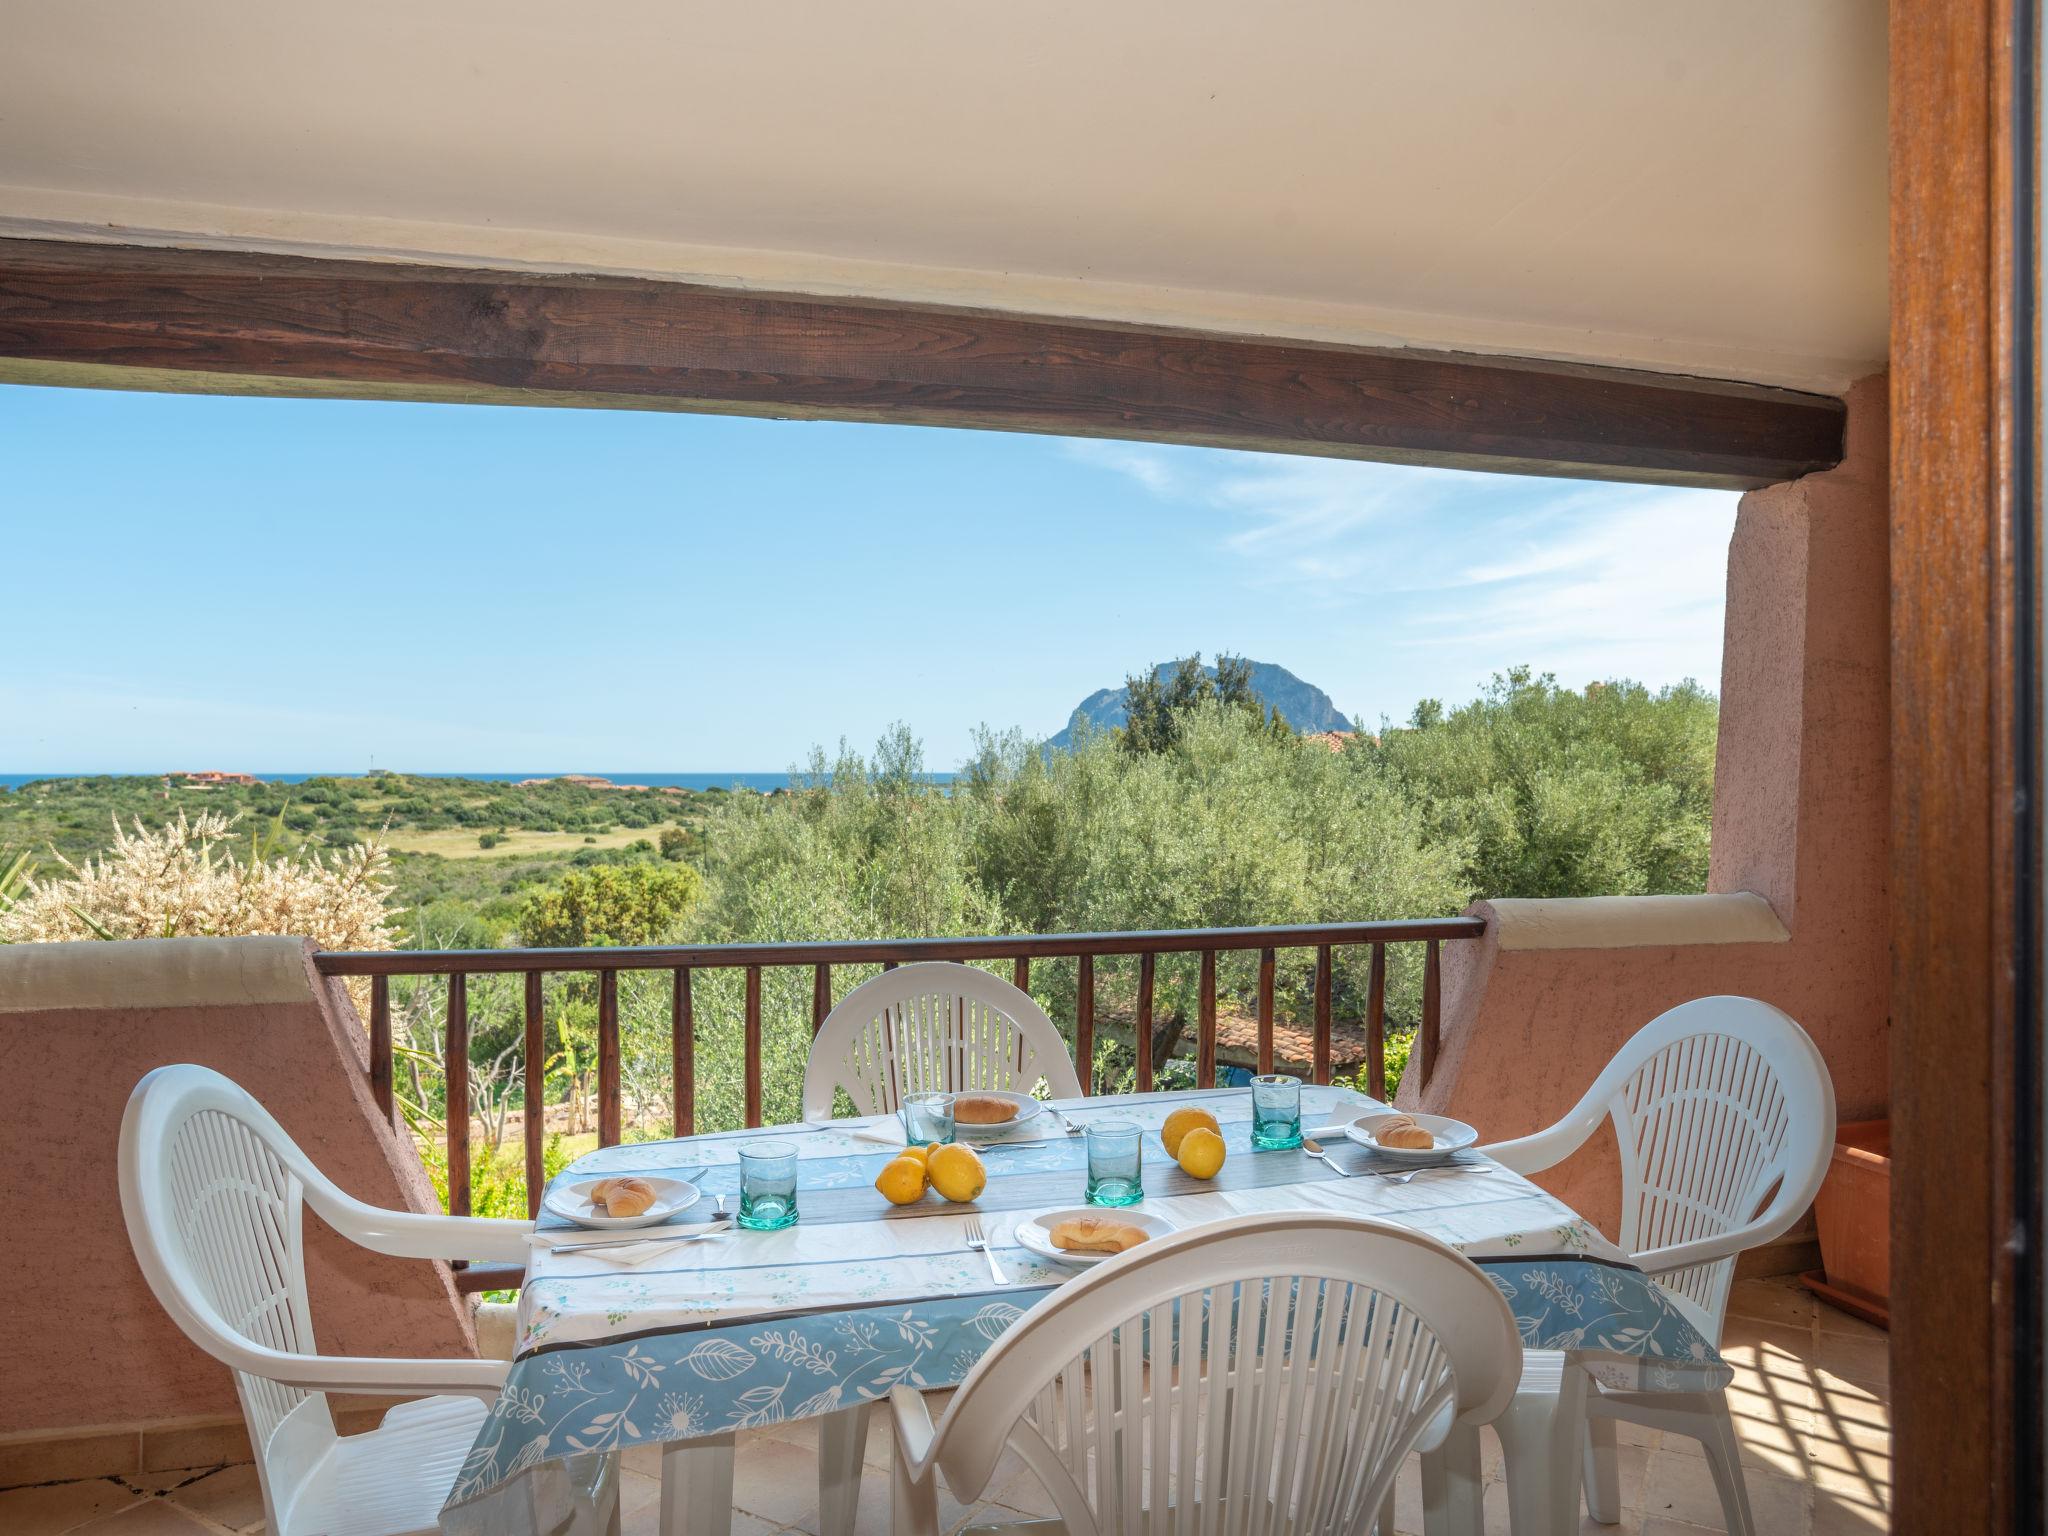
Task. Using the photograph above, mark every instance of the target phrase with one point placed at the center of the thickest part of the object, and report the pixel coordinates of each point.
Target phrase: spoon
(1315, 1150)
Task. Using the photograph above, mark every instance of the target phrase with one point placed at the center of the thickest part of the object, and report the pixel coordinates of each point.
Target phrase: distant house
(590, 781)
(208, 777)
(1336, 741)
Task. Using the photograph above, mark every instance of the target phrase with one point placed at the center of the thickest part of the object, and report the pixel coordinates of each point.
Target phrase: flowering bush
(182, 880)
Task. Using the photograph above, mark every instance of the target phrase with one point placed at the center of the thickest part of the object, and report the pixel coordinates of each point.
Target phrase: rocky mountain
(1302, 705)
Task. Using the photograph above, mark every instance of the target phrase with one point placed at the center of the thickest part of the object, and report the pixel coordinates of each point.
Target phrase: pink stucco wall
(87, 1343)
(1801, 815)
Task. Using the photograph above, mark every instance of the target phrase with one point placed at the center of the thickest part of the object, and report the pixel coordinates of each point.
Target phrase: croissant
(1095, 1234)
(982, 1109)
(629, 1202)
(1402, 1133)
(624, 1197)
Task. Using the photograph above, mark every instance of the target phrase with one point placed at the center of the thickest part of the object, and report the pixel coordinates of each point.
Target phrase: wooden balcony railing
(684, 961)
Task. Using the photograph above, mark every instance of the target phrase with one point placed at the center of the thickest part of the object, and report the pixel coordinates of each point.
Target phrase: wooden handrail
(682, 961)
(444, 962)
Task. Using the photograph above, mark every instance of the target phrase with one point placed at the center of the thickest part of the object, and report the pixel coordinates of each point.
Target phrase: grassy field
(462, 842)
(452, 891)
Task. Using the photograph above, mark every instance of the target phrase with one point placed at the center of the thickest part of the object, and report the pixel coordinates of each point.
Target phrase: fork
(1066, 1124)
(1445, 1168)
(977, 1239)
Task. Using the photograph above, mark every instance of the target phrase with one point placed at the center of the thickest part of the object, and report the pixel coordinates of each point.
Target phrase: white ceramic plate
(1450, 1135)
(1036, 1232)
(571, 1201)
(1028, 1108)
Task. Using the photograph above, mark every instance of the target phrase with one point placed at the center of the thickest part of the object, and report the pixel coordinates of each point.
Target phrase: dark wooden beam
(233, 322)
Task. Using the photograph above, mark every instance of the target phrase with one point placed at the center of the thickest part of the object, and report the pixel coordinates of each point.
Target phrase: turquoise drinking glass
(1276, 1112)
(927, 1117)
(1115, 1163)
(768, 1185)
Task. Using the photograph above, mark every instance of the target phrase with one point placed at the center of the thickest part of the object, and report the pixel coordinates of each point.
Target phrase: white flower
(184, 880)
(682, 1417)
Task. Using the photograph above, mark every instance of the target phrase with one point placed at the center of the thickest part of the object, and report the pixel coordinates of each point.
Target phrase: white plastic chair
(214, 1193)
(1314, 1352)
(933, 1026)
(1725, 1116)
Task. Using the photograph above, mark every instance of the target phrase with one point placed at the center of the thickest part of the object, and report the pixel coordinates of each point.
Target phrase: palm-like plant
(15, 870)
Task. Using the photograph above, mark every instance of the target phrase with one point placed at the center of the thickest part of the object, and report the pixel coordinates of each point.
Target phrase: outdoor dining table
(758, 1328)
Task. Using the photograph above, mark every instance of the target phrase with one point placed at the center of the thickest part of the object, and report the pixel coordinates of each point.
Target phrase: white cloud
(1298, 509)
(1418, 581)
(1152, 468)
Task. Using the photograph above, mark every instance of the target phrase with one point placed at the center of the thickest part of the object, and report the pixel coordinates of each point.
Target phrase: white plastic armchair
(933, 1026)
(1264, 1373)
(214, 1194)
(1725, 1115)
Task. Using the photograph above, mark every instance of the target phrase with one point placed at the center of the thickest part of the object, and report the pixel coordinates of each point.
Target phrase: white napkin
(888, 1131)
(1040, 1127)
(1325, 1133)
(657, 1243)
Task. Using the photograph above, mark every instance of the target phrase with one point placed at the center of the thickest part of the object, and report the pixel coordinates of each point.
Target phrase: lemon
(901, 1181)
(957, 1172)
(1180, 1122)
(920, 1154)
(1201, 1153)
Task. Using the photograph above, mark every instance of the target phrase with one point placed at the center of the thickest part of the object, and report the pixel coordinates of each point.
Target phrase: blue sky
(288, 585)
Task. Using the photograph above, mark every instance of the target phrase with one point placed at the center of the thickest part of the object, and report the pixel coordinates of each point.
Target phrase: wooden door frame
(1966, 769)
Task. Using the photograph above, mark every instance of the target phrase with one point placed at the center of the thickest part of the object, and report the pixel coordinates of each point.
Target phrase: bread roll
(1095, 1234)
(982, 1109)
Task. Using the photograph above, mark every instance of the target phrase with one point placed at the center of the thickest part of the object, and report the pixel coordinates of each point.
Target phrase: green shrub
(497, 1185)
(611, 904)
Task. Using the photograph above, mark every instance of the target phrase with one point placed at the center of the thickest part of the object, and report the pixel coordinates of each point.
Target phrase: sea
(756, 781)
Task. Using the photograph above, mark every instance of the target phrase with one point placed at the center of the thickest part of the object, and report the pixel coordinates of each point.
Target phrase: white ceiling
(1675, 184)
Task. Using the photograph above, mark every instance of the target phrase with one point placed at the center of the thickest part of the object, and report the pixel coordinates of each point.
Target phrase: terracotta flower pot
(1853, 1212)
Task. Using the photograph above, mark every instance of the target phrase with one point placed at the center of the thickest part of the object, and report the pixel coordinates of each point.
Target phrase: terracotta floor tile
(775, 1480)
(1773, 1301)
(150, 1517)
(229, 1496)
(1834, 1516)
(1015, 1486)
(1682, 1488)
(1861, 1487)
(1863, 1360)
(61, 1506)
(1834, 1320)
